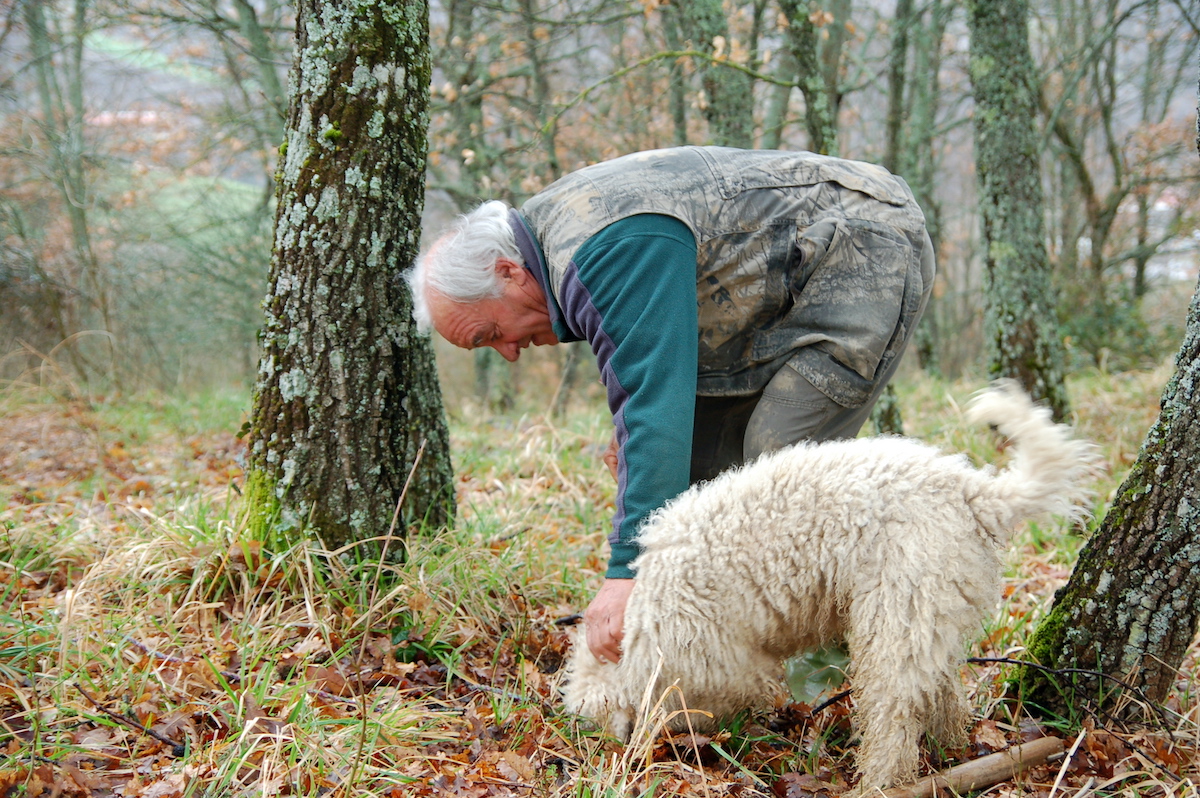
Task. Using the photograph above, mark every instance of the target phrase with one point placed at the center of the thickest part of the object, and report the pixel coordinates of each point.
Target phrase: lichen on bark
(1129, 608)
(347, 393)
(1020, 317)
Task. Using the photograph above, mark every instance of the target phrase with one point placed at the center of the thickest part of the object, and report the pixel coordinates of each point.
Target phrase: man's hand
(610, 456)
(605, 619)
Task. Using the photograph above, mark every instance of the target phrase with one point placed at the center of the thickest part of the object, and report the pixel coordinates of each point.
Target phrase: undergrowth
(152, 642)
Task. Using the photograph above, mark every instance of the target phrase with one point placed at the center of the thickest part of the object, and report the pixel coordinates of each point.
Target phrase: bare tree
(56, 46)
(923, 162)
(1020, 324)
(1111, 146)
(729, 93)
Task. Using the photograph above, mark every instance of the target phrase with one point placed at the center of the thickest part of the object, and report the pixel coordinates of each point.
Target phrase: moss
(1032, 685)
(260, 505)
(1042, 646)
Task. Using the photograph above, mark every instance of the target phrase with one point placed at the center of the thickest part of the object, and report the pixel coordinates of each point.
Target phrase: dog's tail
(1050, 470)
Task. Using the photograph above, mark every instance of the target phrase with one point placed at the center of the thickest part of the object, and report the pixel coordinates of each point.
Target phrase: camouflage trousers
(731, 430)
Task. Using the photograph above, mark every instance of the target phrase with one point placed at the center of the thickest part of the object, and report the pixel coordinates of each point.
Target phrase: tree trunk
(1142, 259)
(570, 377)
(833, 43)
(886, 416)
(775, 118)
(926, 93)
(264, 55)
(347, 394)
(677, 99)
(819, 118)
(543, 96)
(729, 93)
(465, 112)
(473, 153)
(895, 157)
(1130, 609)
(1020, 324)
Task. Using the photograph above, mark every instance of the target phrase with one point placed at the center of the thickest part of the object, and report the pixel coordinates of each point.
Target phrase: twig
(514, 697)
(1159, 710)
(509, 535)
(328, 696)
(177, 749)
(1104, 717)
(983, 772)
(1062, 771)
(43, 759)
(229, 676)
(831, 701)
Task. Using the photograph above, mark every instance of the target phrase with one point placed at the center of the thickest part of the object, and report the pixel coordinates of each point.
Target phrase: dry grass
(135, 600)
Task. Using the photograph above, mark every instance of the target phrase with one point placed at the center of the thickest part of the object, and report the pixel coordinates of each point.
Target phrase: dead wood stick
(178, 749)
(982, 772)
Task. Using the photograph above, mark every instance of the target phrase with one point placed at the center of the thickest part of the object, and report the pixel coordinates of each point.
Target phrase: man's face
(508, 323)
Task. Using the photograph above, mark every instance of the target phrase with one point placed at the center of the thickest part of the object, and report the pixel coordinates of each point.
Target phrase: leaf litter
(147, 648)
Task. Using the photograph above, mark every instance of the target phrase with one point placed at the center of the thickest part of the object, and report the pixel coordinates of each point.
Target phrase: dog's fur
(883, 542)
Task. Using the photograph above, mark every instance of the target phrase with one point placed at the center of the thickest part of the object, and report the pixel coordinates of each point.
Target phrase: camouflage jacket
(800, 257)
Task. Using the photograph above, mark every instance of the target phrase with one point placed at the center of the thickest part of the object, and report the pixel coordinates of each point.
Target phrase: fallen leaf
(170, 787)
(988, 736)
(515, 767)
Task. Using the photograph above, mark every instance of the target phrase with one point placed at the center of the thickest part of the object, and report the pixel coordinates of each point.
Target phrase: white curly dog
(884, 542)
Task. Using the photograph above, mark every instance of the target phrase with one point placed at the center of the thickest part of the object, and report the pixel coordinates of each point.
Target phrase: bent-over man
(737, 301)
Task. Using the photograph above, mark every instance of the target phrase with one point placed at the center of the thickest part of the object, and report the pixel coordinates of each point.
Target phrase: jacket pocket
(854, 304)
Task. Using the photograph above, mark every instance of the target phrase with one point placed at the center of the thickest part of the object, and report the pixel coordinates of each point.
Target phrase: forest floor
(150, 646)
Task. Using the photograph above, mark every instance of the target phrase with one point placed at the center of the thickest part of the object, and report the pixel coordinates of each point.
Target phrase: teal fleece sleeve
(640, 276)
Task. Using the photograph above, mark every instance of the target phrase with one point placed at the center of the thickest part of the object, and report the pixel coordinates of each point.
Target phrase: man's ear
(508, 269)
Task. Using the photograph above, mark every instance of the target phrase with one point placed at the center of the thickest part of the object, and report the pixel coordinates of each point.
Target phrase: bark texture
(729, 94)
(1130, 609)
(1019, 319)
(347, 391)
(923, 173)
(820, 121)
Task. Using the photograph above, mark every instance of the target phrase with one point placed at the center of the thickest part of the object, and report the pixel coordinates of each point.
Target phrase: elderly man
(737, 301)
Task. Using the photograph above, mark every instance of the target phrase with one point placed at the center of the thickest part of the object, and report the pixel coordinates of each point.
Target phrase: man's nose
(509, 351)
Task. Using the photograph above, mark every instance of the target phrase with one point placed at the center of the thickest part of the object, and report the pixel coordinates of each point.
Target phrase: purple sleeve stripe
(582, 318)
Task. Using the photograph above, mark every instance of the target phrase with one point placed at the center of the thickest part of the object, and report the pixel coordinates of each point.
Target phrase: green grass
(148, 416)
(280, 666)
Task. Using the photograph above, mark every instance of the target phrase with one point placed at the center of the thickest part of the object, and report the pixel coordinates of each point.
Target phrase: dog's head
(593, 690)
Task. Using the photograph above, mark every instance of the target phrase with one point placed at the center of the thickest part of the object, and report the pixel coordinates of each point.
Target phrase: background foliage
(139, 140)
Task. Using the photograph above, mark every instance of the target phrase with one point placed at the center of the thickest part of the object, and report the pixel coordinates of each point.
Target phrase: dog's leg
(898, 674)
(888, 725)
(948, 714)
(906, 681)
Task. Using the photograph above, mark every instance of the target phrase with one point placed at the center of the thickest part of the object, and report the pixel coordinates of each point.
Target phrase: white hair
(461, 263)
